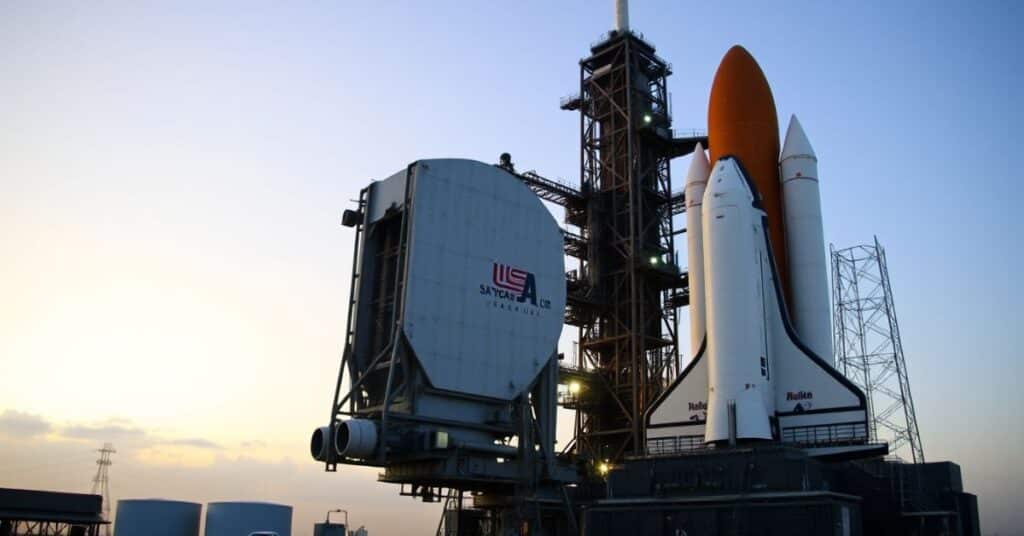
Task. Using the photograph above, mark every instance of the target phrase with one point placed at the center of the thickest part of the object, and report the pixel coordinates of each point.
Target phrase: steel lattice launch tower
(629, 288)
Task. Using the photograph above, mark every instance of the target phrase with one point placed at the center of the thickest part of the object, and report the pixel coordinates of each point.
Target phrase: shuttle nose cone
(728, 185)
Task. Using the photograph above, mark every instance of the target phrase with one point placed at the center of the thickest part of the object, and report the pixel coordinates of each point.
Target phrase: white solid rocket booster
(740, 398)
(805, 242)
(696, 182)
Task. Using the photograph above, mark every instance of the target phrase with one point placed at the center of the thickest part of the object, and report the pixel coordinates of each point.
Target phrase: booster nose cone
(796, 144)
(698, 171)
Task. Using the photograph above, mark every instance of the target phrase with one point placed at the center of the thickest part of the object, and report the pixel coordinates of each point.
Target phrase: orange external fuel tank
(742, 122)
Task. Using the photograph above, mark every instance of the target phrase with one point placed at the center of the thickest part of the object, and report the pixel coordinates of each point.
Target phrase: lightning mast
(101, 482)
(868, 348)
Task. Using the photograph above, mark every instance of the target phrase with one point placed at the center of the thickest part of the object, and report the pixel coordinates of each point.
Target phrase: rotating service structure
(157, 517)
(449, 372)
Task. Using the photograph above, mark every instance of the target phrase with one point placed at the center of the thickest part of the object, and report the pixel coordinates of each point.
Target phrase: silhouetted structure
(50, 513)
(868, 347)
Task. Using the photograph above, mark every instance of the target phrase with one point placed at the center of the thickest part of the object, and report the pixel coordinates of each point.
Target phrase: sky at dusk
(173, 275)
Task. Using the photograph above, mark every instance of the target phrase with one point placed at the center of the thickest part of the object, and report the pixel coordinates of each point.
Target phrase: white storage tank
(242, 518)
(157, 517)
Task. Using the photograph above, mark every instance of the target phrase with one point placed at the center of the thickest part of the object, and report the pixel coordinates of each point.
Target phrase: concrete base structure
(773, 490)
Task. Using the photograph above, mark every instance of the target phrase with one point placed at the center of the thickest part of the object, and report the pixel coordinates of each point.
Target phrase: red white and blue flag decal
(509, 278)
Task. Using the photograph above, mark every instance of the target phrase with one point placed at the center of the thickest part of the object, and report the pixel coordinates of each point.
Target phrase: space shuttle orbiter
(760, 329)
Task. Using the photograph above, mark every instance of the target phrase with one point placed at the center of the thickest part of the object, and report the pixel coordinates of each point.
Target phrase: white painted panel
(801, 383)
(385, 194)
(733, 263)
(819, 419)
(686, 401)
(476, 233)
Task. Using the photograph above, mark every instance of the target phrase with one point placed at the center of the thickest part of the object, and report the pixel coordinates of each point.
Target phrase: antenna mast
(101, 482)
(622, 15)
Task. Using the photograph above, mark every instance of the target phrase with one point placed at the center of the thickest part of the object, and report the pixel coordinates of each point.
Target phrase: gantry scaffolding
(626, 292)
(868, 347)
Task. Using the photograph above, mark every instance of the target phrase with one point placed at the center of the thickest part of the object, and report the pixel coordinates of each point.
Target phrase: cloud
(18, 424)
(113, 430)
(125, 431)
(196, 442)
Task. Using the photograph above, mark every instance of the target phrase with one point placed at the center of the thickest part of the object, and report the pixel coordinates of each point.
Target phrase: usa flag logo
(509, 278)
(513, 289)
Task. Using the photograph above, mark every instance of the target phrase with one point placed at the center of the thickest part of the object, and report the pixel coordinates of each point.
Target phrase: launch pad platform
(770, 490)
(452, 374)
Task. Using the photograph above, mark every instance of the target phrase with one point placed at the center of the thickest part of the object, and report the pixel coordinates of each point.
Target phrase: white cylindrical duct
(319, 444)
(622, 15)
(737, 353)
(805, 242)
(696, 182)
(356, 438)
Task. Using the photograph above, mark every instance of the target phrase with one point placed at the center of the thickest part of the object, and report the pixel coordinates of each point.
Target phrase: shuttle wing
(814, 403)
(676, 419)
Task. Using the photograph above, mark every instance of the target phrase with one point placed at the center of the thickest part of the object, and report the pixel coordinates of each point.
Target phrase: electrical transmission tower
(101, 482)
(868, 347)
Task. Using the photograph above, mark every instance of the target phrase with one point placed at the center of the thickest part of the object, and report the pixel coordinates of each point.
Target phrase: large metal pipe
(505, 451)
(320, 443)
(355, 438)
